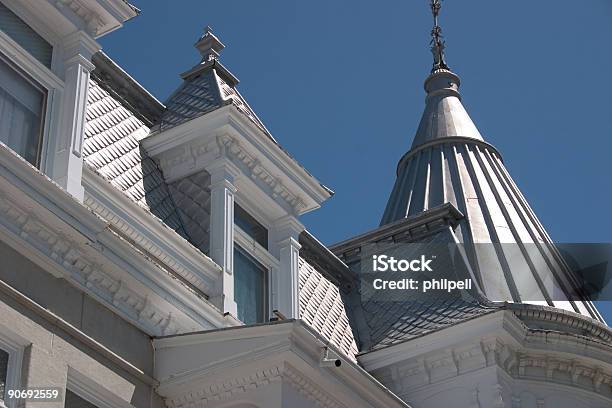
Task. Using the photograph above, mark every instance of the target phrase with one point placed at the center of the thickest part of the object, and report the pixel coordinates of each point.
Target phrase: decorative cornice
(561, 320)
(99, 17)
(199, 151)
(76, 263)
(225, 132)
(555, 358)
(222, 391)
(49, 227)
(288, 350)
(93, 20)
(309, 389)
(257, 171)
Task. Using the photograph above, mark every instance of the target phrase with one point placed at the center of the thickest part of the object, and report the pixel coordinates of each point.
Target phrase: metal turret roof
(444, 114)
(512, 256)
(449, 162)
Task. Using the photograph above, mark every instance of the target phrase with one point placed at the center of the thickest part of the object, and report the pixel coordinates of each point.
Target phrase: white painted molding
(98, 17)
(254, 248)
(88, 390)
(148, 232)
(50, 228)
(499, 340)
(222, 190)
(288, 278)
(64, 156)
(14, 345)
(189, 147)
(287, 352)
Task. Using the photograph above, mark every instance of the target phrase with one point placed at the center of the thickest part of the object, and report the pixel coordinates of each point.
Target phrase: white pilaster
(287, 248)
(222, 192)
(65, 162)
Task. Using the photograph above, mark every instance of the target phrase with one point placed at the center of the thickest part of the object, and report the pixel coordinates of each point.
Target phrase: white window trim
(255, 213)
(95, 394)
(265, 258)
(39, 73)
(14, 346)
(254, 248)
(46, 76)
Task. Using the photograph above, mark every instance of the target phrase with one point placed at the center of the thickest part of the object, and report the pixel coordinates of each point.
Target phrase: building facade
(153, 254)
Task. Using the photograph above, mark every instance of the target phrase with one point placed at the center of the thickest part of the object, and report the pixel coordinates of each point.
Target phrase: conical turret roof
(444, 115)
(513, 257)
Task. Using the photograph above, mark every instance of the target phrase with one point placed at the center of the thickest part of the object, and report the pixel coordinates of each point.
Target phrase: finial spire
(437, 44)
(209, 45)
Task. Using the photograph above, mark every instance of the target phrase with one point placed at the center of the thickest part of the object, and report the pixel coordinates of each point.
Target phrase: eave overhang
(424, 223)
(96, 17)
(191, 146)
(48, 226)
(123, 87)
(327, 262)
(507, 324)
(223, 364)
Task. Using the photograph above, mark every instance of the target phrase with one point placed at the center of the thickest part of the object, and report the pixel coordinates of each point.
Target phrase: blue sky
(340, 84)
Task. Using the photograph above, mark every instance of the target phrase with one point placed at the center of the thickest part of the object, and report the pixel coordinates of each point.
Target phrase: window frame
(15, 349)
(254, 212)
(253, 248)
(44, 77)
(248, 213)
(91, 392)
(43, 114)
(263, 261)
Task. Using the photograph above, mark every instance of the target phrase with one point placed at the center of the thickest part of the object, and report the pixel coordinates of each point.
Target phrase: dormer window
(250, 226)
(250, 287)
(22, 109)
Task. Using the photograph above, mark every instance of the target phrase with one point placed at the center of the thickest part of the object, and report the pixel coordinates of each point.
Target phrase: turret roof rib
(513, 257)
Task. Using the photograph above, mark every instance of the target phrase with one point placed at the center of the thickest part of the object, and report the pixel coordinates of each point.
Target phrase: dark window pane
(251, 226)
(21, 112)
(74, 401)
(4, 357)
(250, 281)
(25, 36)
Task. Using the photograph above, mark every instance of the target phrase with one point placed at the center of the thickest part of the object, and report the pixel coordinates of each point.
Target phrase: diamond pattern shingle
(322, 307)
(203, 92)
(192, 198)
(388, 317)
(111, 147)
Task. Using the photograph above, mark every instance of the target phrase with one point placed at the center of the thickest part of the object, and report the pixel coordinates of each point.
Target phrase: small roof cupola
(207, 86)
(209, 45)
(450, 162)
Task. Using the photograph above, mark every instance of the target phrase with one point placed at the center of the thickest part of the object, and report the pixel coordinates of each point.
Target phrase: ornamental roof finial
(209, 45)
(437, 44)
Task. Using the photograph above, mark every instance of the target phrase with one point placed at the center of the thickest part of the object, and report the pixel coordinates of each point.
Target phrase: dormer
(239, 193)
(45, 61)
